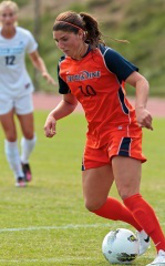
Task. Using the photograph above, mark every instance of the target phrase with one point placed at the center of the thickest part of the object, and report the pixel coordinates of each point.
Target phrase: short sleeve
(32, 45)
(63, 87)
(118, 65)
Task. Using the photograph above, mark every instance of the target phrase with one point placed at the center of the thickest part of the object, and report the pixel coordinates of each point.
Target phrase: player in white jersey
(16, 90)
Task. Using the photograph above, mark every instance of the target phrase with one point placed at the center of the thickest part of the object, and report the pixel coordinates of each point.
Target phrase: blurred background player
(93, 74)
(16, 89)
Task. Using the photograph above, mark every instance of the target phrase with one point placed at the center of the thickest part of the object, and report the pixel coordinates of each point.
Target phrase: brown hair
(70, 21)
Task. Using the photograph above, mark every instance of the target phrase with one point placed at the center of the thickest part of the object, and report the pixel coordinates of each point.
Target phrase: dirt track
(47, 102)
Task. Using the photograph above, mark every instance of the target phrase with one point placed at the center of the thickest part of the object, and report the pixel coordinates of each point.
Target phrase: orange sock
(114, 210)
(145, 216)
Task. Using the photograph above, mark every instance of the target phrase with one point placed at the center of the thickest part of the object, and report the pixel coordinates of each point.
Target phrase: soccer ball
(120, 246)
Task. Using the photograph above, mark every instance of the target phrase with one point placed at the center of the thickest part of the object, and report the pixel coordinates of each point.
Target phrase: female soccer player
(16, 89)
(94, 75)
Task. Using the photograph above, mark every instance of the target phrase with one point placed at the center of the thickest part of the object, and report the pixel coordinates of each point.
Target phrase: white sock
(27, 146)
(13, 157)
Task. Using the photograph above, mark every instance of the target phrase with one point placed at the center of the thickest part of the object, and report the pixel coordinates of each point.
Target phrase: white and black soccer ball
(120, 246)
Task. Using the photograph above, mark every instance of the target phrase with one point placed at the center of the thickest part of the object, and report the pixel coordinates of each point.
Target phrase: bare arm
(143, 116)
(39, 64)
(64, 108)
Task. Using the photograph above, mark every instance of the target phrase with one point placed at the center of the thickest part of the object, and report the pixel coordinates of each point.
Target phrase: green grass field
(46, 223)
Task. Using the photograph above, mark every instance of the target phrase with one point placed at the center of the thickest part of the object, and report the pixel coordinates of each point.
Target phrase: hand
(49, 78)
(50, 126)
(144, 118)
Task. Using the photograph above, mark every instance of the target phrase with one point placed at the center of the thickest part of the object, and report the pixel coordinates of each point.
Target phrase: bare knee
(93, 205)
(127, 192)
(28, 135)
(11, 137)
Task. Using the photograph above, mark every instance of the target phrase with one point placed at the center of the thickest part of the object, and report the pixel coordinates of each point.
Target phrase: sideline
(63, 227)
(50, 260)
(64, 260)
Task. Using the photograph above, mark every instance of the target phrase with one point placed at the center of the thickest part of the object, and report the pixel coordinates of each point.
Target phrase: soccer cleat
(159, 260)
(27, 171)
(144, 242)
(20, 182)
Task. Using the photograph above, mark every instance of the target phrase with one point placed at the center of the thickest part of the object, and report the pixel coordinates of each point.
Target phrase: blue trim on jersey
(114, 62)
(124, 147)
(121, 97)
(82, 167)
(63, 86)
(117, 64)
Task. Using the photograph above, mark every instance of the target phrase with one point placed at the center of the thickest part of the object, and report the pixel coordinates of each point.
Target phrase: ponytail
(93, 34)
(73, 22)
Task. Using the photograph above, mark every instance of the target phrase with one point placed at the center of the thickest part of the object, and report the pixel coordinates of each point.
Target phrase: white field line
(58, 260)
(63, 227)
(70, 259)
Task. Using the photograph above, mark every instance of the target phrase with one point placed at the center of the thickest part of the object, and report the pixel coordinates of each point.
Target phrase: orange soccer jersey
(97, 83)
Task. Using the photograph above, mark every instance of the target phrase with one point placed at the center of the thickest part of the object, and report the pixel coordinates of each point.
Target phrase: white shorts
(22, 105)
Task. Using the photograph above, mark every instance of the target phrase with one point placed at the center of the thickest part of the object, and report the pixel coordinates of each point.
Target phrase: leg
(127, 173)
(96, 185)
(8, 125)
(27, 142)
(29, 139)
(24, 110)
(27, 125)
(100, 180)
(11, 147)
